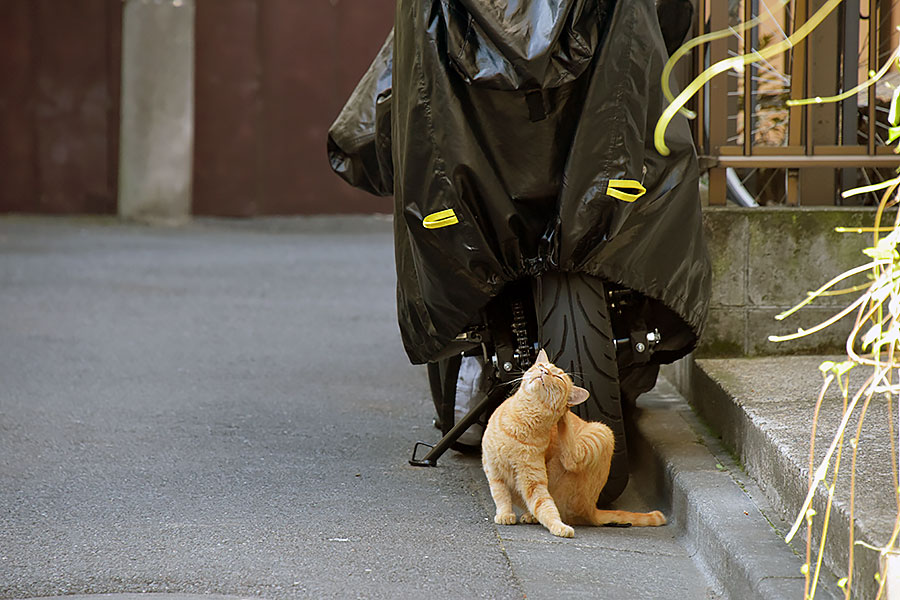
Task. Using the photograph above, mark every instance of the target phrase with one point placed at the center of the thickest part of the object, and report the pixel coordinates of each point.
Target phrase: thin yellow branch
(872, 188)
(805, 332)
(862, 229)
(855, 288)
(845, 275)
(851, 92)
(822, 470)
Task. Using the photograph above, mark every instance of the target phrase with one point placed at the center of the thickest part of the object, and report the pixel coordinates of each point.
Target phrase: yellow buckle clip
(443, 218)
(626, 190)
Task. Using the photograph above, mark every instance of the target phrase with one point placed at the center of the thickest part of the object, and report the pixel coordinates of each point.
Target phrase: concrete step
(733, 533)
(762, 411)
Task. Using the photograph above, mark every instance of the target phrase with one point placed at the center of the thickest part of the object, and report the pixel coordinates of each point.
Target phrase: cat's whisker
(514, 381)
(578, 376)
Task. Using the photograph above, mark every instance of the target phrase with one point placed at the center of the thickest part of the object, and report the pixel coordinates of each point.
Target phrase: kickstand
(430, 459)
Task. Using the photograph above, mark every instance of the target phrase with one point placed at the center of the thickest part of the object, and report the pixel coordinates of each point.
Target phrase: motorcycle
(532, 209)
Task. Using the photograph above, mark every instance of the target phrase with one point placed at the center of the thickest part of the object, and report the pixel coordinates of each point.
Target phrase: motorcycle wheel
(574, 328)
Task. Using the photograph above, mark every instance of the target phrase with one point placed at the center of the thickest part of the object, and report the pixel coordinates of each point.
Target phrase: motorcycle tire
(574, 328)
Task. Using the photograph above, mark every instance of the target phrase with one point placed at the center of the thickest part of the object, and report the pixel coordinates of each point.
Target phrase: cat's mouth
(549, 375)
(547, 380)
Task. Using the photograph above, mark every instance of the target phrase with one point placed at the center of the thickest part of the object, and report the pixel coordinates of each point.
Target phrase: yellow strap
(617, 189)
(443, 218)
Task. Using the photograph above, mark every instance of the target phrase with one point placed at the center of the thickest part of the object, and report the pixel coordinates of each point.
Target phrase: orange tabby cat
(543, 458)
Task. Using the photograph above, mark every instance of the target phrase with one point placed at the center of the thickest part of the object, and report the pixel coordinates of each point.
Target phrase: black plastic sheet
(516, 136)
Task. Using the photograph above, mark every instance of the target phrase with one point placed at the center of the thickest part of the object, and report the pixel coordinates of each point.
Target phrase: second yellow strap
(626, 190)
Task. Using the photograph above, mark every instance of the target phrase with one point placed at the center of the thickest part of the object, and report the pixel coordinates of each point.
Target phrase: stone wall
(765, 260)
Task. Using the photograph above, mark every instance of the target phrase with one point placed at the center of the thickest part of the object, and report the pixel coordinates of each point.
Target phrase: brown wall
(59, 109)
(271, 76)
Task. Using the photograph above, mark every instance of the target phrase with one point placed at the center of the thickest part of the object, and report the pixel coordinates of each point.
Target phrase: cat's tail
(624, 518)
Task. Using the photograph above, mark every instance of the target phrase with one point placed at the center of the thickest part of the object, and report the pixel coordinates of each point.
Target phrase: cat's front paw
(657, 519)
(505, 519)
(527, 517)
(561, 530)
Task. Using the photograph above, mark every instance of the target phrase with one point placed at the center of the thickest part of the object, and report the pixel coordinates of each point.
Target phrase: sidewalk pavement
(226, 408)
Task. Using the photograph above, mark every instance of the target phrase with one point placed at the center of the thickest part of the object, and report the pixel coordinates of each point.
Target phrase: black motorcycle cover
(516, 137)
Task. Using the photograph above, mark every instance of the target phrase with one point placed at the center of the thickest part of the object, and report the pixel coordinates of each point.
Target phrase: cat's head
(549, 384)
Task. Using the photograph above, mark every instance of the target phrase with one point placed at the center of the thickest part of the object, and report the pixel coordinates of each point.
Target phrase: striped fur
(541, 457)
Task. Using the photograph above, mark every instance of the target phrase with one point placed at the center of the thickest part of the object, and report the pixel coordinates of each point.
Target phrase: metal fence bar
(796, 115)
(718, 102)
(697, 67)
(816, 136)
(751, 9)
(872, 65)
(823, 76)
(786, 161)
(849, 80)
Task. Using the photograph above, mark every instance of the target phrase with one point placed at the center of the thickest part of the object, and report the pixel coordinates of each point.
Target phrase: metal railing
(753, 143)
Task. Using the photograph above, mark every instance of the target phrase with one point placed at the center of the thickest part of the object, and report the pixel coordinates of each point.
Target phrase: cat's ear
(578, 395)
(542, 357)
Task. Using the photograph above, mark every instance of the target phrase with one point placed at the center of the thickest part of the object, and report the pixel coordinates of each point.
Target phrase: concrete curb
(723, 517)
(781, 473)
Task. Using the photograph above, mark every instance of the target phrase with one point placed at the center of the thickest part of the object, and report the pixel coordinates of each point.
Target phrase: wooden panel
(271, 77)
(227, 108)
(114, 97)
(362, 26)
(71, 101)
(298, 89)
(59, 105)
(819, 186)
(18, 185)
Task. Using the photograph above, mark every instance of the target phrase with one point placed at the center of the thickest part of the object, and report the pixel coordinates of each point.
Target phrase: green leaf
(870, 336)
(888, 338)
(841, 368)
(893, 132)
(884, 250)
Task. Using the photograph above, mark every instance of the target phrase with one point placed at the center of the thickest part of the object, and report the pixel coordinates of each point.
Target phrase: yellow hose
(873, 78)
(709, 37)
(730, 63)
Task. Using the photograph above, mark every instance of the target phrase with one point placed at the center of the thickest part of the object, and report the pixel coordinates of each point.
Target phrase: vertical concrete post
(157, 123)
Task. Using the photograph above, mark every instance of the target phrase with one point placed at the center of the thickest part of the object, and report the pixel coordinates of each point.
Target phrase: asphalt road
(226, 409)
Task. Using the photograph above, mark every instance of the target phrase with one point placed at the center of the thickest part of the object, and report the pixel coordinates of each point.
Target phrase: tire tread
(575, 330)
